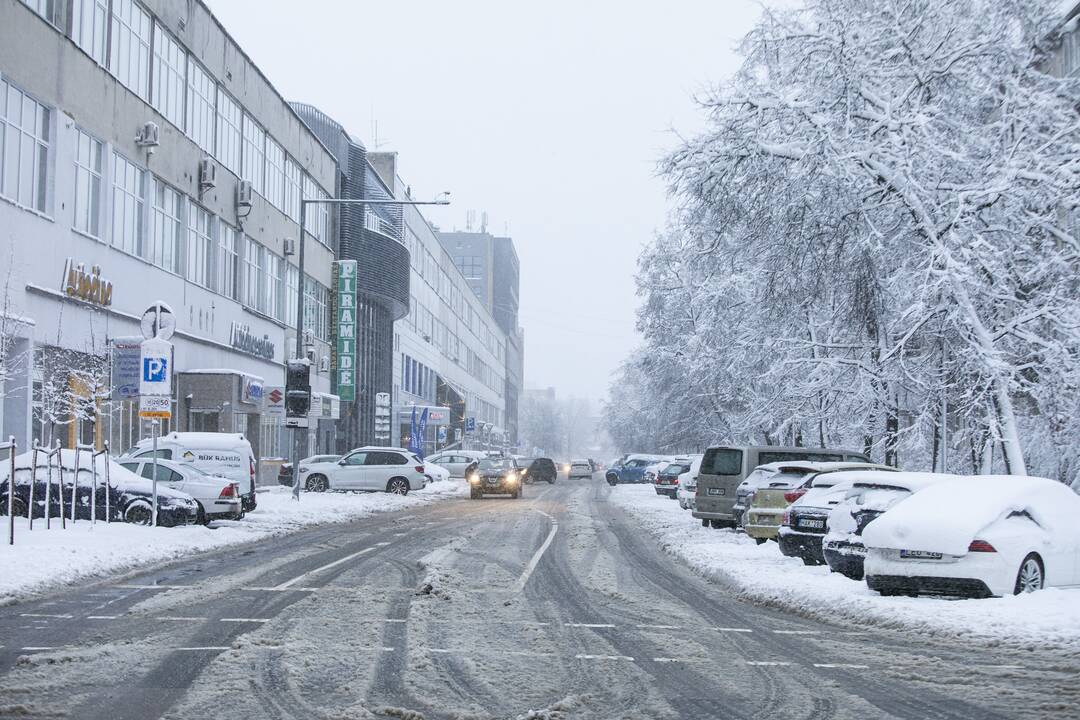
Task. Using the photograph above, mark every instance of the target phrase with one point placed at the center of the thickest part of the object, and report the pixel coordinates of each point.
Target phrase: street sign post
(155, 378)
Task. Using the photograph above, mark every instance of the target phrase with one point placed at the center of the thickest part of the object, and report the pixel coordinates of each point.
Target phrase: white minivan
(227, 455)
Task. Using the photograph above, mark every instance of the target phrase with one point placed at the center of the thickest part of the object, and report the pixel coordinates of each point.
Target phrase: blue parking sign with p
(155, 369)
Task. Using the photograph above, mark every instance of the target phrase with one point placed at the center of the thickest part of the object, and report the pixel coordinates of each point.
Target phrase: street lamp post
(442, 199)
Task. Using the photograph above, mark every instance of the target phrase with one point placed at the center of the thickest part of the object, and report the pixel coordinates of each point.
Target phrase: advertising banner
(126, 359)
(345, 329)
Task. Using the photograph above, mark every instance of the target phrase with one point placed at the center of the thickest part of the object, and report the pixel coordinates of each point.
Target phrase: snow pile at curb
(43, 559)
(762, 574)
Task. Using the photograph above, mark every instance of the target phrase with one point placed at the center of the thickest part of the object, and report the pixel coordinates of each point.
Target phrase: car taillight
(229, 491)
(792, 495)
(980, 546)
(419, 469)
(251, 469)
(786, 521)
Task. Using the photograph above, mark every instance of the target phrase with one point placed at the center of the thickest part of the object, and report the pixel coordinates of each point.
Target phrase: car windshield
(496, 464)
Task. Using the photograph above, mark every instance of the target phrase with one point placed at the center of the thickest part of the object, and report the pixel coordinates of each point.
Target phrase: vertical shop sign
(345, 329)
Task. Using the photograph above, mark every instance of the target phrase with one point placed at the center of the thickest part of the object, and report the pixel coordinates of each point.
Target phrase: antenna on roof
(483, 221)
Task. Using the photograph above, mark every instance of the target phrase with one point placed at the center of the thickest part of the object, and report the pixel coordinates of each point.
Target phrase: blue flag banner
(420, 433)
(413, 443)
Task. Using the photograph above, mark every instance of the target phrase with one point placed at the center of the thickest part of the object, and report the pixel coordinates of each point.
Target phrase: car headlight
(511, 476)
(474, 478)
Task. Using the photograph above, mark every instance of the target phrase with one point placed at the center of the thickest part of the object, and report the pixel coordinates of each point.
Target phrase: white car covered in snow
(977, 536)
(436, 473)
(688, 484)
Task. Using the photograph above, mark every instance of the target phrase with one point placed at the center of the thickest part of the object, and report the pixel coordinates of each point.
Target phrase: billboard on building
(344, 359)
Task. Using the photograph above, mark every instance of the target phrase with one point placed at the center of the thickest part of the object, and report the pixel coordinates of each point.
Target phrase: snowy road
(556, 603)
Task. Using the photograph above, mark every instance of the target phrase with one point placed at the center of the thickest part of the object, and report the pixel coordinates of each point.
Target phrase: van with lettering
(724, 467)
(226, 455)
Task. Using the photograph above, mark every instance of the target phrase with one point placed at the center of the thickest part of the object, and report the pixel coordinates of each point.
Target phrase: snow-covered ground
(42, 559)
(761, 573)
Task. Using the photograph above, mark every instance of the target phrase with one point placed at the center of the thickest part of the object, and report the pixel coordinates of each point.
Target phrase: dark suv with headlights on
(496, 476)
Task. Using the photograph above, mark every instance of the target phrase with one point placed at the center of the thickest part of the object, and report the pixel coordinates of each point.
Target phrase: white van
(227, 455)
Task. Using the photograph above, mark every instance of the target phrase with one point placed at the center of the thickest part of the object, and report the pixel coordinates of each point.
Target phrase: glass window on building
(275, 174)
(273, 303)
(88, 167)
(316, 308)
(24, 147)
(169, 73)
(253, 270)
(227, 262)
(166, 227)
(200, 245)
(254, 154)
(89, 27)
(317, 219)
(292, 190)
(229, 119)
(129, 196)
(201, 106)
(129, 55)
(44, 8)
(292, 291)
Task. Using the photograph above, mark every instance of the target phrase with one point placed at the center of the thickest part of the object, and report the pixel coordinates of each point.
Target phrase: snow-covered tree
(874, 225)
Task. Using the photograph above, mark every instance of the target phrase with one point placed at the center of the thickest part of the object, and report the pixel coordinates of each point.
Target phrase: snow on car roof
(948, 516)
(206, 440)
(119, 477)
(904, 480)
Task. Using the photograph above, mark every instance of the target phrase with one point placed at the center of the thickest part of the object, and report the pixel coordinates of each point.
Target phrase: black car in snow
(130, 497)
(497, 476)
(539, 469)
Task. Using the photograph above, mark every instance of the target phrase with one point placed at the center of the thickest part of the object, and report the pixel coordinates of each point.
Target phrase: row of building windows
(147, 60)
(417, 378)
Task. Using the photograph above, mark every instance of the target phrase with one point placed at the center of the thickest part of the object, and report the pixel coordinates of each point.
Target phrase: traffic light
(298, 388)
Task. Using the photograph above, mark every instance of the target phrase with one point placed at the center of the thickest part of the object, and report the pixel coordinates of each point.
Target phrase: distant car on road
(494, 475)
(218, 497)
(539, 469)
(977, 536)
(371, 469)
(580, 469)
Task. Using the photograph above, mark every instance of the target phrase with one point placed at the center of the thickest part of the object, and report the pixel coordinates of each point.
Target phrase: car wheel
(475, 494)
(1030, 577)
(317, 483)
(18, 507)
(139, 513)
(200, 516)
(398, 486)
(717, 524)
(761, 541)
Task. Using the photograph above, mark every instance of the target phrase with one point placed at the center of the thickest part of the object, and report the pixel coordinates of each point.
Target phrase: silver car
(456, 461)
(218, 497)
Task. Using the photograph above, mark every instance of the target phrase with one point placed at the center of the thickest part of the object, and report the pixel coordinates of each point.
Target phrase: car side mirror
(341, 462)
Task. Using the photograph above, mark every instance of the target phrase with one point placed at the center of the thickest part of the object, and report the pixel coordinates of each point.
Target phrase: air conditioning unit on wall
(207, 175)
(243, 195)
(324, 363)
(147, 135)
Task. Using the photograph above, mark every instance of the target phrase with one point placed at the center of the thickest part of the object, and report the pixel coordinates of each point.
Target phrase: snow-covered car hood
(822, 497)
(947, 517)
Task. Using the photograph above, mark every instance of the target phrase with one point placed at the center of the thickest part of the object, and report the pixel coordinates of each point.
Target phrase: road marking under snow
(156, 587)
(309, 573)
(246, 620)
(527, 573)
(388, 649)
(589, 625)
(102, 617)
(669, 660)
(658, 627)
(395, 620)
(767, 663)
(36, 648)
(439, 650)
(281, 589)
(179, 618)
(45, 615)
(381, 544)
(726, 629)
(842, 665)
(603, 657)
(1005, 667)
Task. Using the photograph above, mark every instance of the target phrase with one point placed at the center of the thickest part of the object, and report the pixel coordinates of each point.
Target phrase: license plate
(716, 491)
(816, 524)
(920, 555)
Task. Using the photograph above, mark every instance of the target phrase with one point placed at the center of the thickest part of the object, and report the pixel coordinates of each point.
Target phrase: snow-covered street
(48, 559)
(760, 573)
(561, 605)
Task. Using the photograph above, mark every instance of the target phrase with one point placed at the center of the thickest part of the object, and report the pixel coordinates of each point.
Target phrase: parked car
(285, 472)
(226, 454)
(667, 480)
(372, 469)
(977, 536)
(767, 504)
(724, 467)
(688, 483)
(807, 520)
(218, 497)
(632, 470)
(501, 476)
(580, 469)
(651, 471)
(539, 469)
(435, 473)
(456, 461)
(130, 497)
(871, 494)
(758, 477)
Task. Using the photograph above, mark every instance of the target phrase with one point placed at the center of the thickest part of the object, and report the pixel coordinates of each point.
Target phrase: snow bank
(762, 574)
(42, 559)
(948, 516)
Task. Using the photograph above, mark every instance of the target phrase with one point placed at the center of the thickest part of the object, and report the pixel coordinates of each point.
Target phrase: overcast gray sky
(548, 116)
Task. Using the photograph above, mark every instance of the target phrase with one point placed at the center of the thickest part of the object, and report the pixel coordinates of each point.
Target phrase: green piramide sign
(345, 329)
